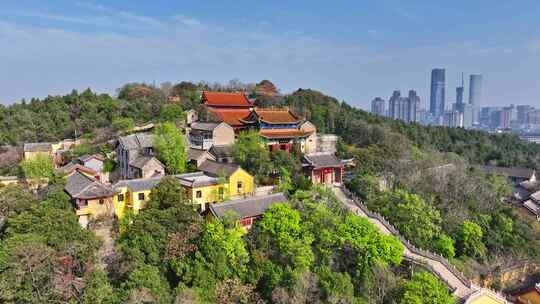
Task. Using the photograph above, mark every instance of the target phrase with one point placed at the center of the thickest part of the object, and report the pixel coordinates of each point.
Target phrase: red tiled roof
(283, 133)
(225, 99)
(276, 115)
(232, 117)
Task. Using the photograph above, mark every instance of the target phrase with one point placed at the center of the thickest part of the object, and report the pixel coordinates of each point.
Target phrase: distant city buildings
(404, 108)
(463, 113)
(436, 100)
(378, 106)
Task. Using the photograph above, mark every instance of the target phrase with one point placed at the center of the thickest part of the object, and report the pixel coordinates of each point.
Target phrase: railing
(421, 252)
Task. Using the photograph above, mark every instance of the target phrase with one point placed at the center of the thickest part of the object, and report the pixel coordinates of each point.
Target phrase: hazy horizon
(353, 51)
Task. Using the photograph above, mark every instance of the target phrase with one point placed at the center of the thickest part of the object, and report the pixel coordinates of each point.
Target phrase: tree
(14, 200)
(445, 246)
(469, 240)
(146, 284)
(250, 152)
(424, 288)
(123, 124)
(412, 216)
(172, 113)
(98, 289)
(38, 167)
(168, 193)
(369, 246)
(170, 148)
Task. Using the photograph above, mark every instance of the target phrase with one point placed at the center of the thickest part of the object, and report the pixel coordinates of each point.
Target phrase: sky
(354, 50)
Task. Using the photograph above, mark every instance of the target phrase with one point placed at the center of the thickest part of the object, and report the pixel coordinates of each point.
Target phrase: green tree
(250, 152)
(146, 284)
(170, 147)
(413, 217)
(98, 290)
(168, 193)
(172, 113)
(469, 240)
(40, 166)
(123, 124)
(424, 288)
(444, 245)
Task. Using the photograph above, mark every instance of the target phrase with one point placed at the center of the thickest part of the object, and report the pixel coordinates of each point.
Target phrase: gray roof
(532, 206)
(141, 161)
(37, 147)
(205, 126)
(194, 154)
(216, 169)
(509, 171)
(81, 186)
(196, 179)
(137, 141)
(138, 184)
(322, 160)
(249, 207)
(221, 151)
(536, 196)
(88, 157)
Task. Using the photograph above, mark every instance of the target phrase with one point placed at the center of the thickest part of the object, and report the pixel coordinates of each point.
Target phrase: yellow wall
(532, 297)
(131, 201)
(248, 184)
(485, 298)
(32, 155)
(94, 208)
(210, 194)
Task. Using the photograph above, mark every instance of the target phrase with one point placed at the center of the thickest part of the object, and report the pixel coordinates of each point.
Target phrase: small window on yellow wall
(141, 196)
(120, 197)
(239, 187)
(198, 194)
(101, 201)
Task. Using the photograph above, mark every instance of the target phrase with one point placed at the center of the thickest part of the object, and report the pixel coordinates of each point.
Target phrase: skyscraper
(436, 100)
(404, 108)
(475, 94)
(378, 106)
(475, 90)
(413, 107)
(459, 95)
(395, 105)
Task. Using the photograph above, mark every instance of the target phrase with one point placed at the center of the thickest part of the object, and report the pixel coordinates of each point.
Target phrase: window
(220, 193)
(141, 196)
(198, 194)
(120, 197)
(101, 201)
(83, 203)
(239, 187)
(245, 222)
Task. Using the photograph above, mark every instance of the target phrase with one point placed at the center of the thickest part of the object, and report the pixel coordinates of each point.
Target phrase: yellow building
(216, 183)
(484, 296)
(132, 194)
(90, 198)
(31, 150)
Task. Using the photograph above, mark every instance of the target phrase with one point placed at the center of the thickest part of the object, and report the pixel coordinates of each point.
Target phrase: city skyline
(353, 55)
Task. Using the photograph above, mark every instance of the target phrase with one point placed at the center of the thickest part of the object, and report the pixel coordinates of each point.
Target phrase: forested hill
(91, 114)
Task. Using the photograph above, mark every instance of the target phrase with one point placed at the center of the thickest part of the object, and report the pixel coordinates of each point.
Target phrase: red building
(230, 108)
(323, 168)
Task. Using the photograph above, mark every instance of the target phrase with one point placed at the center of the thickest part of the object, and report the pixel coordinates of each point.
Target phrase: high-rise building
(475, 94)
(436, 100)
(533, 117)
(467, 114)
(459, 94)
(522, 111)
(413, 107)
(475, 90)
(395, 105)
(378, 106)
(404, 108)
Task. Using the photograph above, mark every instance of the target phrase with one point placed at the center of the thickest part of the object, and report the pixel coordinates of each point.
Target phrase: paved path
(462, 290)
(106, 251)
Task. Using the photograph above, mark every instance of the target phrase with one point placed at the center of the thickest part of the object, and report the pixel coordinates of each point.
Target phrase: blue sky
(354, 50)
